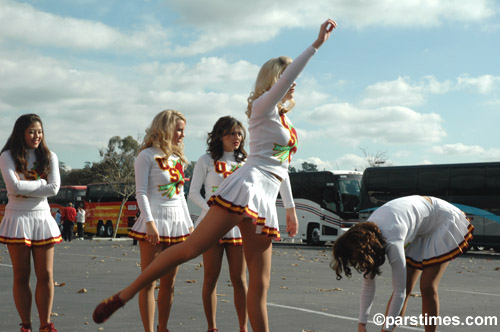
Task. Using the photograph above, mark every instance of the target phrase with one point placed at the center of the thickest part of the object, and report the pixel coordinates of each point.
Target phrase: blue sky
(418, 81)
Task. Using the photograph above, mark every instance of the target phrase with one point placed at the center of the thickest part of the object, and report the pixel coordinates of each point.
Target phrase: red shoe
(48, 328)
(25, 327)
(106, 308)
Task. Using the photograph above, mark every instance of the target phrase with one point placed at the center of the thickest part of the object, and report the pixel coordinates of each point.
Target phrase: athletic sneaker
(25, 327)
(106, 308)
(48, 328)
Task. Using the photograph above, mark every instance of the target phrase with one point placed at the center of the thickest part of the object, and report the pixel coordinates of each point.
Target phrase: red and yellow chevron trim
(29, 243)
(444, 257)
(163, 239)
(245, 210)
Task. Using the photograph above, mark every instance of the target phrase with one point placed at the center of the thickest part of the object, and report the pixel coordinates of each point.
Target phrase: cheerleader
(164, 219)
(419, 235)
(247, 198)
(31, 174)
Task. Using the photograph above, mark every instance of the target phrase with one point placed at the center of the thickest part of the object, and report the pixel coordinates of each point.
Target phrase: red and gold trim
(444, 257)
(245, 210)
(29, 242)
(163, 239)
(231, 241)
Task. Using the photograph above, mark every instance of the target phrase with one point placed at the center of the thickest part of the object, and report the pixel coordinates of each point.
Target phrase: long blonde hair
(160, 133)
(268, 75)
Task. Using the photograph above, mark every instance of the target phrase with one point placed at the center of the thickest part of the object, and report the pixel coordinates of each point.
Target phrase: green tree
(117, 168)
(309, 167)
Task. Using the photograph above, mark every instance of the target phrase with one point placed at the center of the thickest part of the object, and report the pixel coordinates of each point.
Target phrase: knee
(428, 290)
(22, 277)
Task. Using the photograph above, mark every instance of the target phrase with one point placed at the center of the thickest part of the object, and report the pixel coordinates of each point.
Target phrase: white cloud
(393, 124)
(484, 84)
(220, 22)
(23, 23)
(475, 152)
(403, 92)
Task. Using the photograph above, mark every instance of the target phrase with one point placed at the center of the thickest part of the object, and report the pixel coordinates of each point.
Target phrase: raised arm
(268, 100)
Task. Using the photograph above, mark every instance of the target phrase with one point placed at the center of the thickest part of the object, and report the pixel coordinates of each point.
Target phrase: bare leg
(258, 254)
(166, 298)
(238, 273)
(147, 302)
(43, 259)
(216, 223)
(412, 275)
(212, 262)
(429, 283)
(21, 266)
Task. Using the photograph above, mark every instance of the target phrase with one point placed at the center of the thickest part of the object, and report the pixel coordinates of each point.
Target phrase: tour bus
(102, 205)
(66, 194)
(474, 188)
(326, 204)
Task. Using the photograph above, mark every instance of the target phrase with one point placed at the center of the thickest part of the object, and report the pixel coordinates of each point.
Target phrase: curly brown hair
(224, 126)
(361, 247)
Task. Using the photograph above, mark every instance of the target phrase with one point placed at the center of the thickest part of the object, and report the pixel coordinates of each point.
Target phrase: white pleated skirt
(251, 192)
(173, 223)
(29, 227)
(448, 238)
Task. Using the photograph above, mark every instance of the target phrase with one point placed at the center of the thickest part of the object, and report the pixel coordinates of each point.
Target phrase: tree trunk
(115, 230)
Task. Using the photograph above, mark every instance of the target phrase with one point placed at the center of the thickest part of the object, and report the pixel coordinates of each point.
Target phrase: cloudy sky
(418, 81)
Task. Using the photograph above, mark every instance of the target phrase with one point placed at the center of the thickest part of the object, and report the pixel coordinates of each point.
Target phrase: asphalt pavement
(304, 294)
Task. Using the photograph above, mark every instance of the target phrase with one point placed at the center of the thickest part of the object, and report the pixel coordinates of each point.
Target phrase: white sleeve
(396, 255)
(366, 300)
(51, 188)
(198, 180)
(12, 183)
(142, 167)
(286, 193)
(268, 100)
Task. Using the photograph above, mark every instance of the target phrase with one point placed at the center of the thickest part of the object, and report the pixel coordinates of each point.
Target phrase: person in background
(68, 217)
(164, 219)
(31, 174)
(419, 235)
(80, 221)
(225, 154)
(248, 197)
(58, 219)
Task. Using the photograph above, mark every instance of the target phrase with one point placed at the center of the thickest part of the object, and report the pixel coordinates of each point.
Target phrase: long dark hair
(362, 247)
(19, 150)
(224, 126)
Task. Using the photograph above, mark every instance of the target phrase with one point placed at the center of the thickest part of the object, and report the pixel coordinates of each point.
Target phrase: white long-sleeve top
(400, 221)
(159, 181)
(209, 174)
(29, 194)
(273, 139)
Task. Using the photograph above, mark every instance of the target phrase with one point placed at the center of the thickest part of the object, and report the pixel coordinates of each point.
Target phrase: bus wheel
(313, 235)
(109, 229)
(101, 230)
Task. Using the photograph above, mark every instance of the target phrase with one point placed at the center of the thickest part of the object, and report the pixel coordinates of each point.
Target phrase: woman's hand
(152, 234)
(324, 32)
(292, 223)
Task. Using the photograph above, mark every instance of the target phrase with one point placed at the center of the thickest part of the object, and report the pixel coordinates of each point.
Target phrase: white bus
(326, 204)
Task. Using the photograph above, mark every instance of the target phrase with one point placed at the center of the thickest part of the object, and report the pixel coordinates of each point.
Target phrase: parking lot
(304, 294)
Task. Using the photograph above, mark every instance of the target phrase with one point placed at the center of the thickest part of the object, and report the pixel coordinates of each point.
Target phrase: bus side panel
(108, 211)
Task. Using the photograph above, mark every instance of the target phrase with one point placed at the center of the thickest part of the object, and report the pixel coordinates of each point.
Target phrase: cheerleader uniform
(27, 218)
(419, 233)
(273, 140)
(209, 174)
(159, 193)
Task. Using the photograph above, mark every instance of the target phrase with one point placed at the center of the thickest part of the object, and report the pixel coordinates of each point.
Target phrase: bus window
(434, 182)
(329, 199)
